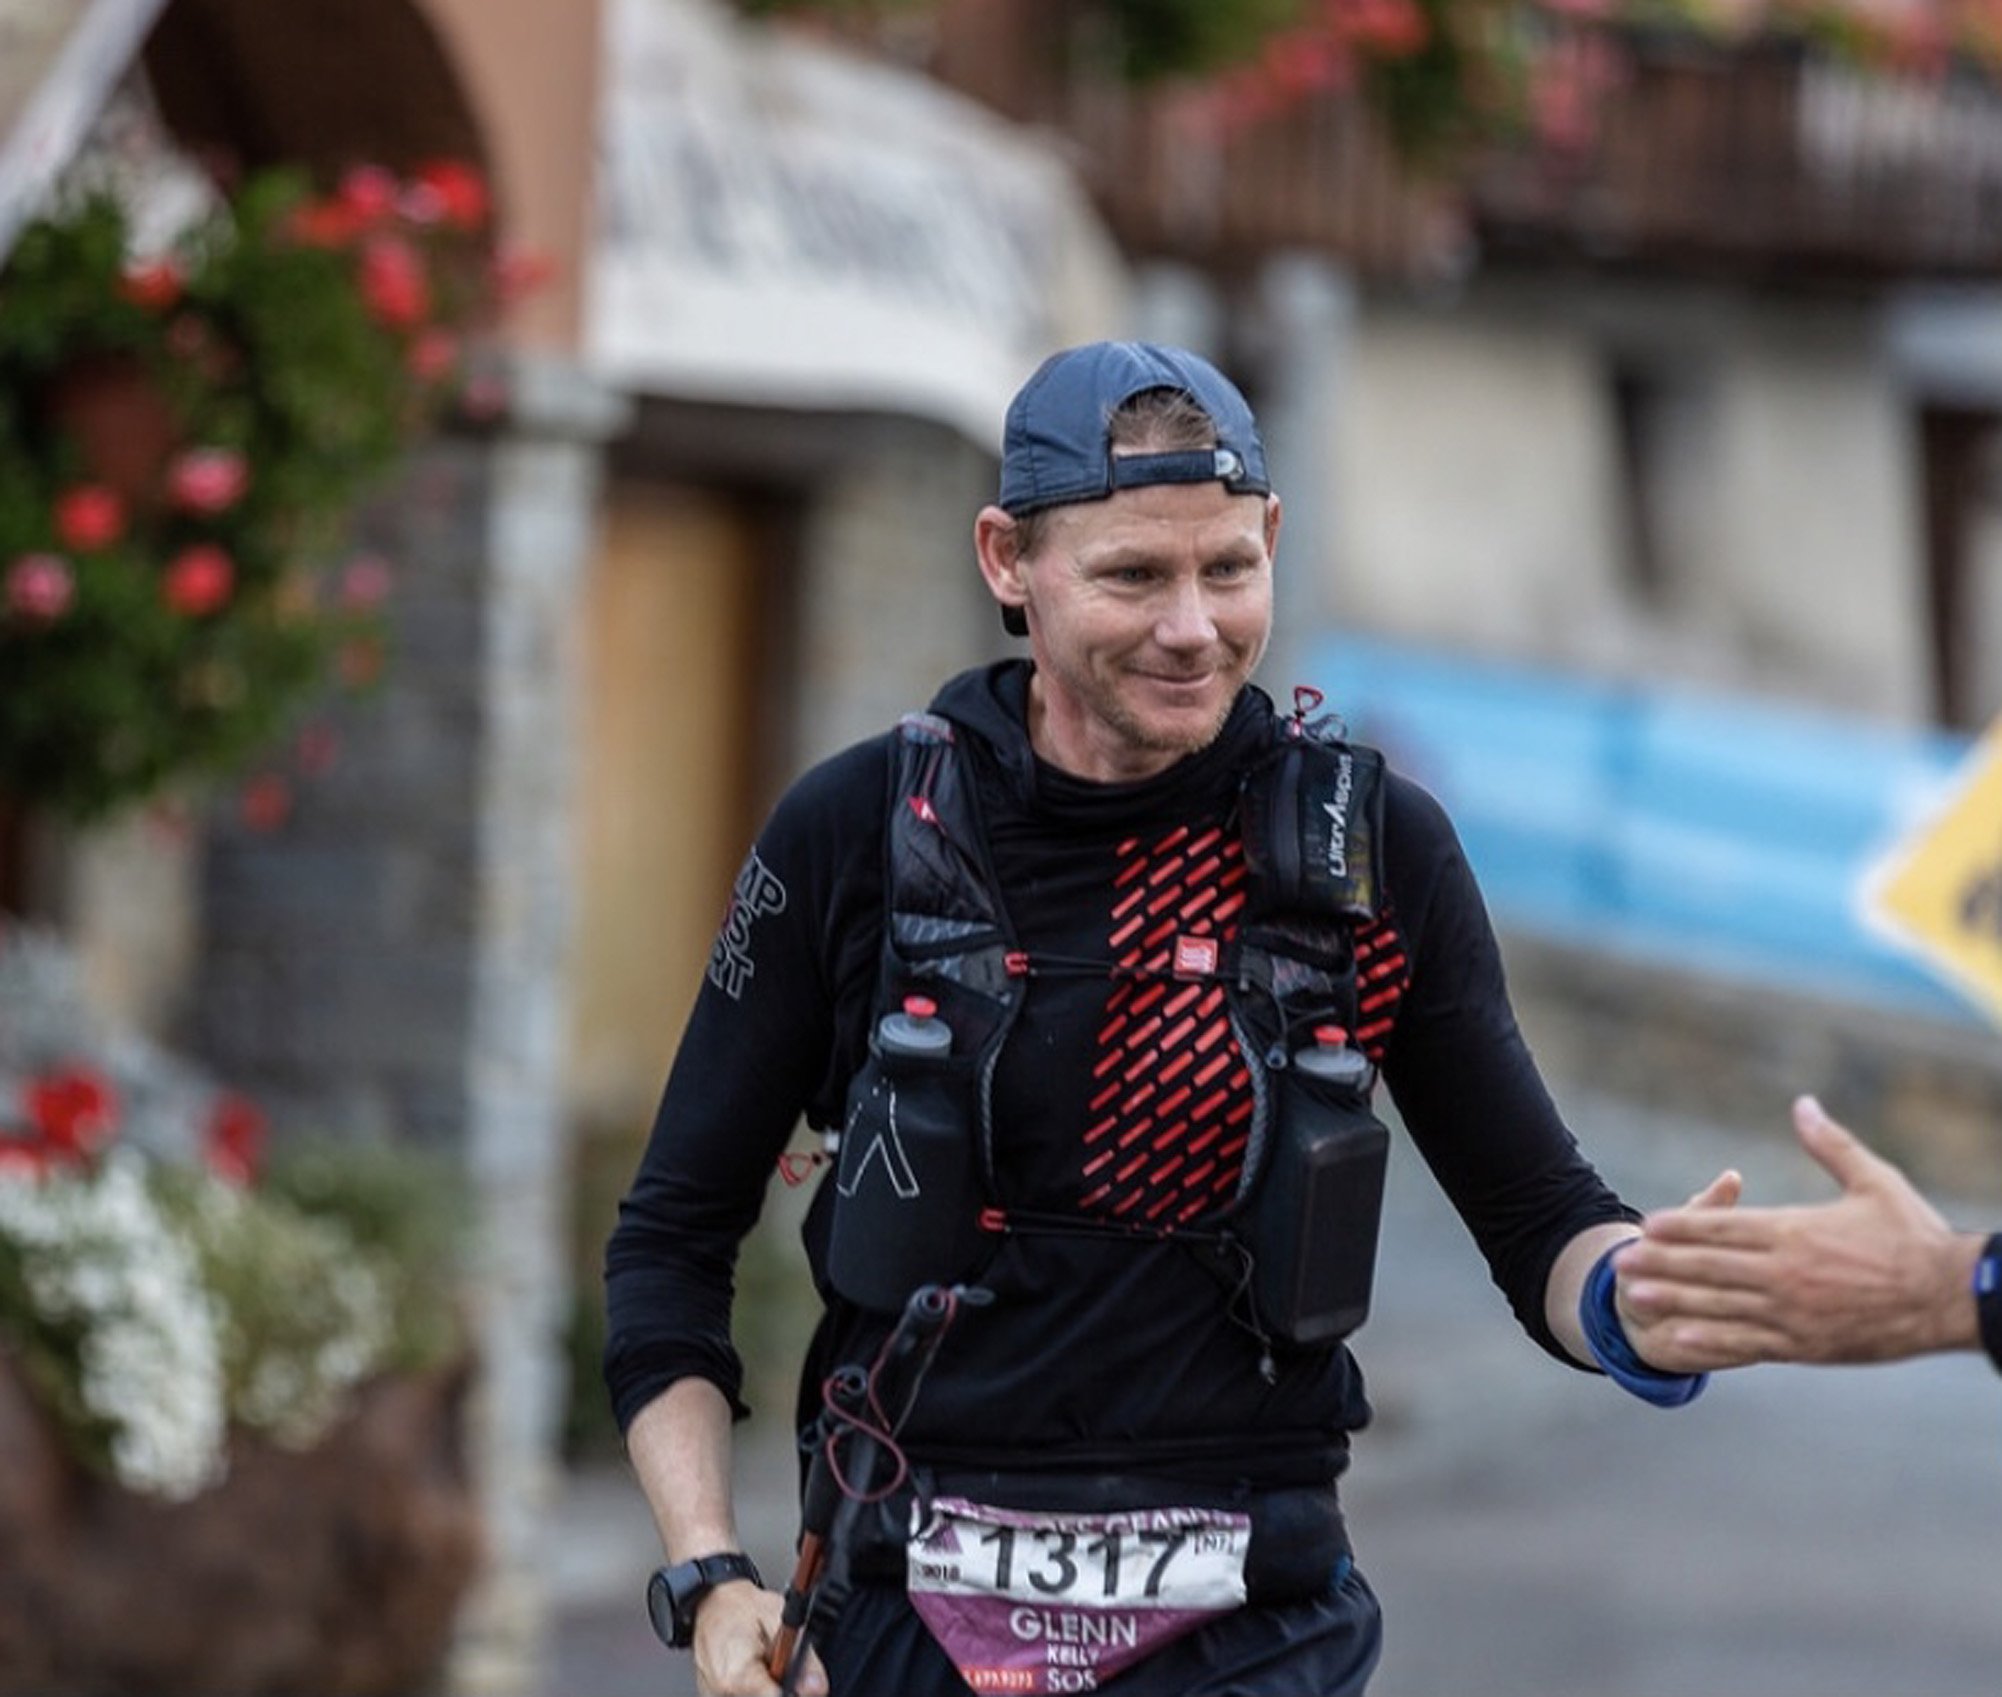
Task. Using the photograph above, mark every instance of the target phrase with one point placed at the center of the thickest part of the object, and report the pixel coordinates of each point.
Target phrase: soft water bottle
(1334, 1060)
(908, 1191)
(1314, 1215)
(915, 1029)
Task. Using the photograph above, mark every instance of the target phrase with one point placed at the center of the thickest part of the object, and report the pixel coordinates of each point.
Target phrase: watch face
(673, 1593)
(660, 1608)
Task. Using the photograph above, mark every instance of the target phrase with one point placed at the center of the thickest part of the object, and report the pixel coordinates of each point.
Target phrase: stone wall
(390, 960)
(891, 599)
(335, 980)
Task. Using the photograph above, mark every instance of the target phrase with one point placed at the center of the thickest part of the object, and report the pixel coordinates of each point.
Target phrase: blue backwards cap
(1054, 449)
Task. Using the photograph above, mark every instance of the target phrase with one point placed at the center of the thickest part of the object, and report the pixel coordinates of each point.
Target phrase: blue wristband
(1607, 1340)
(1988, 1298)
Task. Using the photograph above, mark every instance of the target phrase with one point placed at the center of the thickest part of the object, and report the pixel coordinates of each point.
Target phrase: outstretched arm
(1874, 1275)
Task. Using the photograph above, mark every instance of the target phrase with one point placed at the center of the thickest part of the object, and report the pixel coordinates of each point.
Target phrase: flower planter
(124, 428)
(335, 1572)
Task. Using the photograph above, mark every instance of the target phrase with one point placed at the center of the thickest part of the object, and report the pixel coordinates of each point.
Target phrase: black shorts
(1323, 1646)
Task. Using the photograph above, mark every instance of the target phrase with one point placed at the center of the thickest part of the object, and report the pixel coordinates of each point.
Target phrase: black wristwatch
(673, 1593)
(1988, 1298)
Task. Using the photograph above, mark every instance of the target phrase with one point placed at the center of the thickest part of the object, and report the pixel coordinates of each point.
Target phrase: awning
(785, 223)
(58, 61)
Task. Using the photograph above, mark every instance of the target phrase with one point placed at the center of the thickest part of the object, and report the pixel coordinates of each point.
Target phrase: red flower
(198, 580)
(419, 204)
(432, 355)
(519, 272)
(88, 517)
(40, 588)
(368, 192)
(393, 285)
(23, 1160)
(460, 191)
(207, 480)
(324, 223)
(1299, 62)
(485, 397)
(74, 1111)
(365, 582)
(155, 285)
(1397, 29)
(266, 802)
(319, 747)
(233, 1144)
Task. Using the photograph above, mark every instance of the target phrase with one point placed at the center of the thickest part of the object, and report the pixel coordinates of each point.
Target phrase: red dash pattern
(1171, 1096)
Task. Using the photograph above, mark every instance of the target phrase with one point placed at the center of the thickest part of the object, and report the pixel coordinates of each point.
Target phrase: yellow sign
(1940, 892)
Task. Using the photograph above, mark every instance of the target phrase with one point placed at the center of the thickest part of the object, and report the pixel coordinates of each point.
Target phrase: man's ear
(1272, 516)
(996, 544)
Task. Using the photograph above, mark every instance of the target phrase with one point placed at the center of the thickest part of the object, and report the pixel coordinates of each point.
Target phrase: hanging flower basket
(182, 440)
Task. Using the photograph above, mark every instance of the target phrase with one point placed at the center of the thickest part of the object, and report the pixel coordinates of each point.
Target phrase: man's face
(1147, 613)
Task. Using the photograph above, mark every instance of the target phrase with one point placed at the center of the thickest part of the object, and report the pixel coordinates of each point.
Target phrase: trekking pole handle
(798, 1603)
(918, 1328)
(848, 1389)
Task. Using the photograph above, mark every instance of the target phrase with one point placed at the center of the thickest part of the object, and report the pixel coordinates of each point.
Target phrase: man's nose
(1186, 621)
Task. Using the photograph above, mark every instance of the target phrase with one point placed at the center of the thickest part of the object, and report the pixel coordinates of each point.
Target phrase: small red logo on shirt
(1195, 957)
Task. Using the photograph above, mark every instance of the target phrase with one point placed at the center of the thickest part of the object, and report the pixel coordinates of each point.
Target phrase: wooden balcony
(1764, 162)
(1769, 162)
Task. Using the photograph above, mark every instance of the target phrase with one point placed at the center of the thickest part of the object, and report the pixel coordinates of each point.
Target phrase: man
(1876, 1275)
(1137, 925)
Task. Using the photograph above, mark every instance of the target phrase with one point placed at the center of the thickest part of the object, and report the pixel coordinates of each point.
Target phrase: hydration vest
(915, 1200)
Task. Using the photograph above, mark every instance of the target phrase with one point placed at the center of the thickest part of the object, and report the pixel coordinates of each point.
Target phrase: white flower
(152, 1302)
(101, 1262)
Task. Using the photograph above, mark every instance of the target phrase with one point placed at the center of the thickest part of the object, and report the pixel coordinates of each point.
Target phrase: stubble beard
(1137, 733)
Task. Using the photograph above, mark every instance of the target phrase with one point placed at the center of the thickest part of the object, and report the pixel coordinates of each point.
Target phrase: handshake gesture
(1873, 1275)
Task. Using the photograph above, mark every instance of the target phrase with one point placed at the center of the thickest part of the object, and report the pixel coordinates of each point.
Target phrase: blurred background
(566, 420)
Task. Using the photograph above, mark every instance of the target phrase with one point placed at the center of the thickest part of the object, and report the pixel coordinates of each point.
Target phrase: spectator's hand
(1645, 1331)
(1869, 1276)
(734, 1630)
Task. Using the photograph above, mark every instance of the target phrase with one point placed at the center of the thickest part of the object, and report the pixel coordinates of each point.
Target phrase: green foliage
(1169, 38)
(1431, 99)
(405, 1211)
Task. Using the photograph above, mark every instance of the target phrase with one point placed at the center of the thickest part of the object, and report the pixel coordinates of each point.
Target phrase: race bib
(1036, 1601)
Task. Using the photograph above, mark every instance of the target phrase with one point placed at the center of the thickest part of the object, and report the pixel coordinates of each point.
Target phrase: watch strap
(676, 1592)
(1988, 1298)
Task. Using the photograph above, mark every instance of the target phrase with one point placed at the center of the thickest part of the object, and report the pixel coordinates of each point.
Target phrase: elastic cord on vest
(1599, 1314)
(1988, 1298)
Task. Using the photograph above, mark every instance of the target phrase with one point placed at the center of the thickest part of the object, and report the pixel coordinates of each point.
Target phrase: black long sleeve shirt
(1098, 1354)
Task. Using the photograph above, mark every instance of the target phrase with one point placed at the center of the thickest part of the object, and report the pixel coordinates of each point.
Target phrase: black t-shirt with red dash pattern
(1120, 1096)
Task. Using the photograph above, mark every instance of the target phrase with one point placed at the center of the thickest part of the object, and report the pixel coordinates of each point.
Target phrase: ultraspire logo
(1338, 815)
